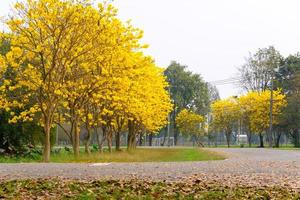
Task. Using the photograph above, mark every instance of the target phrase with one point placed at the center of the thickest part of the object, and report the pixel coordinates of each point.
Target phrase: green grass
(138, 155)
(282, 147)
(136, 189)
(287, 148)
(225, 146)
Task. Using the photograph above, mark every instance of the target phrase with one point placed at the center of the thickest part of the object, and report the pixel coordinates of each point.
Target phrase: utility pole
(271, 113)
(208, 128)
(168, 127)
(56, 135)
(169, 130)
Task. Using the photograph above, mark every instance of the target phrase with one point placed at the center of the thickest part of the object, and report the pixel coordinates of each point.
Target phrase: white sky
(211, 37)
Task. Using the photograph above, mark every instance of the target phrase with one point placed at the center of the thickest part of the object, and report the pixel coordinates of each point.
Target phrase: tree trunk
(118, 141)
(295, 137)
(198, 141)
(261, 139)
(277, 139)
(109, 143)
(141, 139)
(175, 131)
(47, 145)
(77, 140)
(150, 139)
(208, 140)
(249, 138)
(101, 142)
(131, 136)
(98, 138)
(297, 140)
(175, 135)
(87, 141)
(165, 136)
(109, 140)
(228, 134)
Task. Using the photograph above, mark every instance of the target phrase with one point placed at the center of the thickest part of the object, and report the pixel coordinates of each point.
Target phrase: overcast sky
(211, 37)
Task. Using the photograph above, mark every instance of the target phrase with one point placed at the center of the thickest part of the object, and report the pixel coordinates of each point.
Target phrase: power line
(231, 80)
(228, 79)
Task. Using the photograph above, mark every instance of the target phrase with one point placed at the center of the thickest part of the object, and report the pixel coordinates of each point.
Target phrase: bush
(95, 148)
(67, 149)
(31, 152)
(39, 135)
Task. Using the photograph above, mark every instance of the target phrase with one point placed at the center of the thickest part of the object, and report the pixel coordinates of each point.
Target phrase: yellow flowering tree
(225, 115)
(81, 65)
(49, 39)
(256, 106)
(98, 82)
(148, 102)
(190, 123)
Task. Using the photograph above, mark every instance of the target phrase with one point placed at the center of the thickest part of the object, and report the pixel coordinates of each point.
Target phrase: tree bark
(141, 139)
(98, 138)
(87, 141)
(165, 136)
(249, 138)
(150, 139)
(109, 140)
(295, 137)
(76, 140)
(131, 143)
(47, 145)
(118, 141)
(277, 139)
(101, 142)
(109, 143)
(198, 141)
(228, 134)
(261, 139)
(175, 131)
(175, 135)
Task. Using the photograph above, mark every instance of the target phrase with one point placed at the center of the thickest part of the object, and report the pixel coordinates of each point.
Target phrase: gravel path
(251, 167)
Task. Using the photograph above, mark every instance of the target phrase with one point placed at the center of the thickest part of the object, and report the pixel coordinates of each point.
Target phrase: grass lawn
(136, 189)
(287, 148)
(138, 155)
(281, 147)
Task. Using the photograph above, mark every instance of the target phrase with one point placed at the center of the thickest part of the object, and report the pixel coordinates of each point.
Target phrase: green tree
(213, 95)
(11, 136)
(288, 78)
(257, 72)
(187, 90)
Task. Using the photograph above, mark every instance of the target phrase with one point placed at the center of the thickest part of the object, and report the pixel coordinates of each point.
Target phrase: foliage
(213, 93)
(78, 64)
(257, 72)
(13, 136)
(225, 115)
(192, 124)
(187, 91)
(256, 105)
(288, 78)
(290, 118)
(189, 122)
(252, 108)
(137, 189)
(287, 74)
